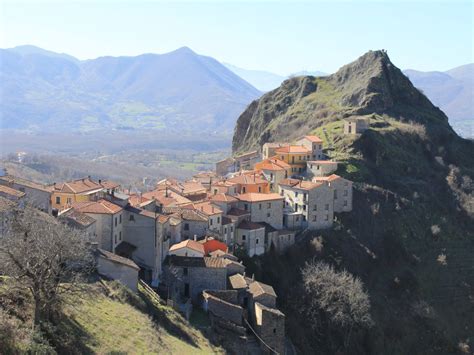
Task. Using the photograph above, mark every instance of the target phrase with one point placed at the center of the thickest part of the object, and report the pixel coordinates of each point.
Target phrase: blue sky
(281, 37)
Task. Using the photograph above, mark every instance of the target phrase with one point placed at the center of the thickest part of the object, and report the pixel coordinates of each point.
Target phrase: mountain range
(179, 91)
(410, 235)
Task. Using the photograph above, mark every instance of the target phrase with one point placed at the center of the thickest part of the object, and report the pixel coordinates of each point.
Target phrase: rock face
(371, 84)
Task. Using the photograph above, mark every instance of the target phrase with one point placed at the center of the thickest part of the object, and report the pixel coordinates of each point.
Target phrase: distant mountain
(264, 80)
(179, 91)
(452, 91)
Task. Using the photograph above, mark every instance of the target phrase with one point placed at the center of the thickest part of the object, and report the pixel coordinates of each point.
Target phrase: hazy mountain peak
(31, 49)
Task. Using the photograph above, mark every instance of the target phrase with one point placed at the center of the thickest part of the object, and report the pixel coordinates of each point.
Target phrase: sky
(278, 36)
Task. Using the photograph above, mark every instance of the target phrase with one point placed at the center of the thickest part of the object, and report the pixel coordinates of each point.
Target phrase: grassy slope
(109, 323)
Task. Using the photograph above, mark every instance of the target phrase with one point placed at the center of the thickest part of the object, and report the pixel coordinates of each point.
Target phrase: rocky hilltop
(371, 84)
(410, 236)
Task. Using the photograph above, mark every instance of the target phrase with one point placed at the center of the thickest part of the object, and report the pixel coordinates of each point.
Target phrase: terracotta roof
(166, 198)
(225, 183)
(212, 244)
(237, 212)
(12, 192)
(221, 254)
(182, 188)
(108, 184)
(100, 253)
(322, 162)
(190, 244)
(247, 179)
(221, 197)
(138, 200)
(314, 139)
(332, 177)
(76, 218)
(248, 225)
(100, 207)
(272, 164)
(293, 149)
(34, 185)
(207, 208)
(300, 184)
(257, 288)
(79, 186)
(257, 197)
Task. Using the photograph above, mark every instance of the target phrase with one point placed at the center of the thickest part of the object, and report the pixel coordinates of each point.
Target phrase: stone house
(307, 204)
(223, 304)
(356, 125)
(81, 190)
(188, 277)
(146, 241)
(223, 187)
(228, 231)
(269, 324)
(342, 190)
(296, 156)
(317, 168)
(166, 198)
(263, 207)
(188, 248)
(244, 161)
(109, 225)
(250, 182)
(38, 195)
(274, 170)
(213, 213)
(193, 222)
(282, 240)
(118, 268)
(268, 149)
(251, 237)
(224, 201)
(314, 144)
(80, 221)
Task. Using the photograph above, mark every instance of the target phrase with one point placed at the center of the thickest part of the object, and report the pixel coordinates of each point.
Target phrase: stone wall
(270, 326)
(222, 304)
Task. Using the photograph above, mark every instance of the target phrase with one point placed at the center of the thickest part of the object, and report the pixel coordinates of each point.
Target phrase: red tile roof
(212, 244)
(300, 184)
(190, 244)
(221, 197)
(314, 139)
(79, 186)
(12, 192)
(273, 164)
(99, 207)
(257, 197)
(248, 179)
(207, 208)
(322, 162)
(332, 177)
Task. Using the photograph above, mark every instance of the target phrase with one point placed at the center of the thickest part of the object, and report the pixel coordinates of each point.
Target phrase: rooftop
(257, 288)
(99, 207)
(314, 139)
(322, 162)
(258, 197)
(12, 192)
(238, 281)
(237, 212)
(204, 262)
(79, 186)
(246, 179)
(293, 149)
(300, 184)
(273, 164)
(115, 258)
(76, 218)
(248, 225)
(222, 197)
(190, 244)
(329, 178)
(31, 184)
(207, 208)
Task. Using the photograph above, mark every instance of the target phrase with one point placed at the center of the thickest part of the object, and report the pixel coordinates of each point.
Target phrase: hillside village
(186, 239)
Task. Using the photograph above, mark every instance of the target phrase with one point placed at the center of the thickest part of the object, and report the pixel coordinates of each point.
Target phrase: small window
(256, 241)
(346, 192)
(185, 271)
(304, 218)
(315, 218)
(315, 207)
(243, 189)
(259, 206)
(120, 235)
(231, 229)
(268, 214)
(58, 200)
(269, 205)
(120, 219)
(131, 218)
(327, 207)
(218, 220)
(345, 203)
(210, 221)
(69, 200)
(186, 226)
(259, 189)
(300, 157)
(326, 218)
(296, 194)
(115, 221)
(271, 176)
(225, 230)
(304, 207)
(246, 207)
(317, 167)
(115, 238)
(243, 237)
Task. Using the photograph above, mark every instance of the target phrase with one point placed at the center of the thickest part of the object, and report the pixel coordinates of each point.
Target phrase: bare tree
(44, 257)
(339, 295)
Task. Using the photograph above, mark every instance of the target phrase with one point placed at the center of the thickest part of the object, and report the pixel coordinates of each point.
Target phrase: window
(120, 235)
(346, 192)
(69, 200)
(304, 218)
(296, 194)
(259, 189)
(215, 191)
(186, 226)
(218, 220)
(282, 157)
(315, 207)
(317, 167)
(246, 207)
(58, 200)
(271, 186)
(327, 207)
(297, 219)
(268, 215)
(271, 176)
(115, 238)
(186, 290)
(185, 271)
(296, 207)
(326, 218)
(243, 189)
(305, 196)
(315, 218)
(300, 157)
(120, 219)
(304, 207)
(210, 221)
(269, 205)
(259, 206)
(115, 221)
(231, 229)
(335, 194)
(282, 192)
(131, 218)
(292, 159)
(256, 241)
(345, 203)
(243, 237)
(225, 230)
(320, 146)
(307, 157)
